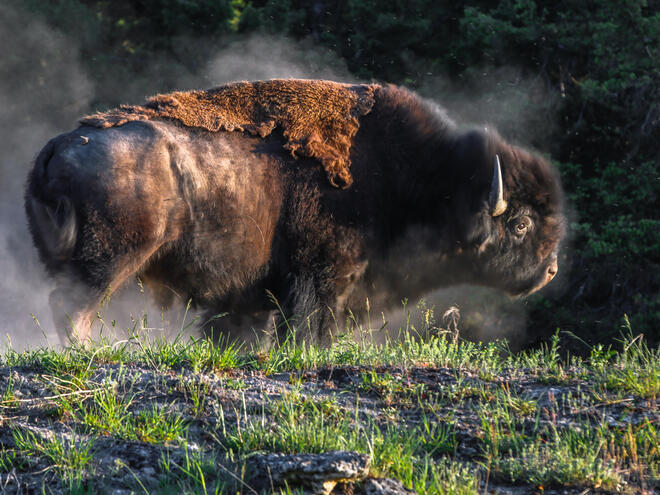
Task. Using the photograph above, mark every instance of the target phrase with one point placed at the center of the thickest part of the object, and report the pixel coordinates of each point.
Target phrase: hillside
(440, 416)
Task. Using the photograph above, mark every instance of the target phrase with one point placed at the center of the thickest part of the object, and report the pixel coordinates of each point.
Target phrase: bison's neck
(421, 174)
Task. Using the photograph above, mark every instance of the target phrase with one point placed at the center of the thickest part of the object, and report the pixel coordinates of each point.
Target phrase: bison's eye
(521, 225)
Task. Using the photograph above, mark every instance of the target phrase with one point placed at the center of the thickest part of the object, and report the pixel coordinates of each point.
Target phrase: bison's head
(519, 225)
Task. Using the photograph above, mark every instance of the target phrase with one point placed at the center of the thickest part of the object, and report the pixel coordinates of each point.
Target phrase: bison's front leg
(315, 303)
(305, 310)
(247, 330)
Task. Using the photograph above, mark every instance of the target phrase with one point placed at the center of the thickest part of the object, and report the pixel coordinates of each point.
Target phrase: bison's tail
(56, 227)
(51, 215)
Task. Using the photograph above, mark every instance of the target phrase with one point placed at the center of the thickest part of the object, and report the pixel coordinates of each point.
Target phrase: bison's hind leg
(88, 279)
(74, 306)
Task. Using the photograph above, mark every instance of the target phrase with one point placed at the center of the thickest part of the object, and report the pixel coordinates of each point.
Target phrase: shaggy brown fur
(318, 118)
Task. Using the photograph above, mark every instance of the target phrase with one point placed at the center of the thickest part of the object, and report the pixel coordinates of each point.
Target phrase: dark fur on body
(224, 217)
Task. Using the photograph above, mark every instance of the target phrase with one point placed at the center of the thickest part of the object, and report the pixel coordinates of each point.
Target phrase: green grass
(409, 350)
(566, 459)
(197, 355)
(8, 400)
(405, 453)
(69, 459)
(108, 412)
(195, 473)
(481, 426)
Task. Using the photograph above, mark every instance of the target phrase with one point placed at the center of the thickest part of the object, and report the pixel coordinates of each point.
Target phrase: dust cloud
(44, 90)
(520, 106)
(267, 57)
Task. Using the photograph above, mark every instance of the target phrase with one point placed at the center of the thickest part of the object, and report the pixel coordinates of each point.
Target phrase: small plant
(465, 390)
(109, 413)
(71, 459)
(600, 357)
(636, 370)
(518, 405)
(198, 472)
(195, 392)
(437, 438)
(570, 458)
(234, 383)
(8, 400)
(10, 460)
(384, 384)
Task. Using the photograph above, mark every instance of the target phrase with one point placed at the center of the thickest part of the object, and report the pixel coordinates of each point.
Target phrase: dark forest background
(587, 72)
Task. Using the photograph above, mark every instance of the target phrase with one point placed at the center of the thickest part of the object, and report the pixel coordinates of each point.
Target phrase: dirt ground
(233, 400)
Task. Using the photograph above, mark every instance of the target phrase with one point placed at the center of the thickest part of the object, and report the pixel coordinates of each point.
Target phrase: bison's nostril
(552, 269)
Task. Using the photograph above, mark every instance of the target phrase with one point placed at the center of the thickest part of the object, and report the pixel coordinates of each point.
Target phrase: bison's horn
(496, 197)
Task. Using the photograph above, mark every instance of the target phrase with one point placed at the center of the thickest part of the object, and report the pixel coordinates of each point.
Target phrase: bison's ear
(496, 201)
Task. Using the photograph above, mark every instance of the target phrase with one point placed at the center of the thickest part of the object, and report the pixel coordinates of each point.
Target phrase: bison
(317, 193)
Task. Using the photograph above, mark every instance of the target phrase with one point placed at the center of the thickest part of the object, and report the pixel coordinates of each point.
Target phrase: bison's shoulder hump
(318, 118)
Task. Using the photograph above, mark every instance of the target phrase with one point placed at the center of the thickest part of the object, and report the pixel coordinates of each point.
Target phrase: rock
(314, 473)
(149, 471)
(384, 486)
